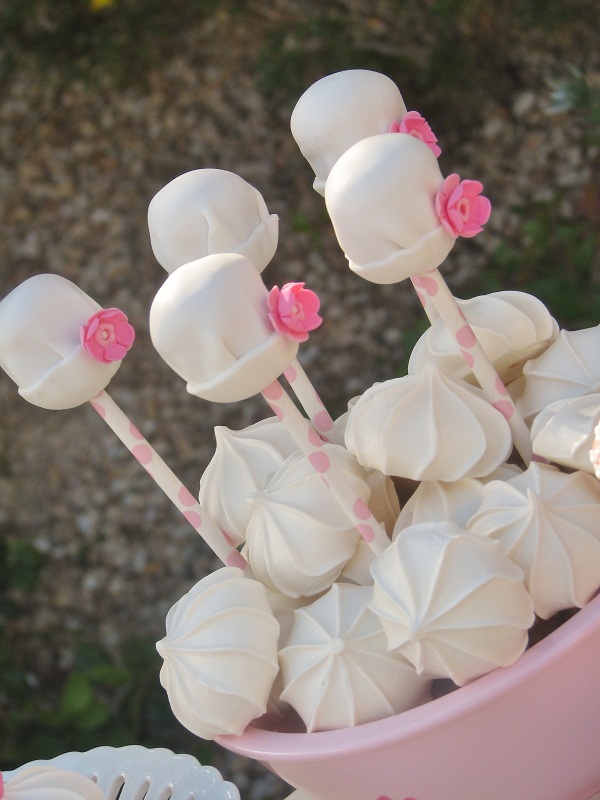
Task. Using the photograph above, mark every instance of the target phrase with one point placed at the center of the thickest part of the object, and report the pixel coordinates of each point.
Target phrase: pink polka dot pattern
(134, 432)
(291, 374)
(429, 285)
(143, 453)
(505, 408)
(314, 438)
(99, 408)
(361, 509)
(186, 498)
(236, 559)
(468, 358)
(193, 518)
(465, 337)
(367, 532)
(320, 462)
(274, 391)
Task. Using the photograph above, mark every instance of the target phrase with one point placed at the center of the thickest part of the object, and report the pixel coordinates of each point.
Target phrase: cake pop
(220, 654)
(209, 211)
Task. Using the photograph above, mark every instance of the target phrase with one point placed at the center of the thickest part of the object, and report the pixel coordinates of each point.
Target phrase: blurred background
(102, 102)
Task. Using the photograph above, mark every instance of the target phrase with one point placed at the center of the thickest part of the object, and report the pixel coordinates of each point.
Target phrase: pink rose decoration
(415, 125)
(293, 310)
(107, 335)
(462, 209)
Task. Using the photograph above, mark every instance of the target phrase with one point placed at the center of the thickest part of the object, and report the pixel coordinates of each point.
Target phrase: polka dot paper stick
(434, 286)
(154, 465)
(309, 399)
(311, 444)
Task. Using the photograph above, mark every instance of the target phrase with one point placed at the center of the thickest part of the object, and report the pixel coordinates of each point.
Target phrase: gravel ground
(79, 164)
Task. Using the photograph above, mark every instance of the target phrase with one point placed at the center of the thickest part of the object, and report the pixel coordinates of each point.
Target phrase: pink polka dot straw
(166, 479)
(311, 444)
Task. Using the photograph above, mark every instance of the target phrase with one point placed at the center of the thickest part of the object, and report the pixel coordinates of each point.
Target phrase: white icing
(40, 346)
(242, 462)
(48, 782)
(337, 671)
(298, 539)
(570, 367)
(563, 432)
(427, 427)
(512, 327)
(220, 654)
(208, 211)
(380, 197)
(451, 602)
(339, 110)
(209, 322)
(547, 522)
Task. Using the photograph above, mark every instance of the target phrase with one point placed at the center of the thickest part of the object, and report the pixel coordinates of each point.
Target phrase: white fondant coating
(339, 110)
(209, 322)
(380, 196)
(208, 211)
(220, 654)
(336, 668)
(40, 346)
(451, 602)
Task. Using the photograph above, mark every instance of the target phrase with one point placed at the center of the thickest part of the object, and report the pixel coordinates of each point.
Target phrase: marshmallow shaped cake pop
(380, 197)
(512, 327)
(339, 110)
(336, 668)
(210, 323)
(47, 782)
(209, 211)
(57, 344)
(220, 654)
(547, 522)
(451, 604)
(427, 427)
(242, 462)
(298, 540)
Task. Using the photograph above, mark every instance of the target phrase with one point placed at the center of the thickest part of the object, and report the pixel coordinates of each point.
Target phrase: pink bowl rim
(270, 745)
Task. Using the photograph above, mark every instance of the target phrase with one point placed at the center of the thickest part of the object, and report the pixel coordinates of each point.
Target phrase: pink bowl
(526, 732)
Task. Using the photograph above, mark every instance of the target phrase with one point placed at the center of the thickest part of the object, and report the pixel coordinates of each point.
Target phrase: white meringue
(242, 462)
(563, 432)
(548, 523)
(570, 367)
(298, 539)
(208, 211)
(440, 501)
(337, 671)
(220, 654)
(339, 110)
(47, 782)
(40, 345)
(451, 604)
(512, 327)
(428, 427)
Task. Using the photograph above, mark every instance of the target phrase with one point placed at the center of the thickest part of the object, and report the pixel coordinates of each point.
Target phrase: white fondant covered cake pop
(547, 522)
(427, 427)
(298, 539)
(339, 110)
(570, 367)
(57, 344)
(336, 667)
(449, 602)
(210, 323)
(220, 654)
(208, 211)
(563, 432)
(512, 327)
(242, 462)
(380, 196)
(47, 782)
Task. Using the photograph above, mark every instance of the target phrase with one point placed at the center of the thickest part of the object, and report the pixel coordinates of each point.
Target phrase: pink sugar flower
(415, 125)
(293, 310)
(107, 335)
(462, 209)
